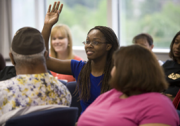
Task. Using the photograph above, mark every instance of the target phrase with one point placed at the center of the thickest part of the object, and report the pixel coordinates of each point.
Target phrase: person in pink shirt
(135, 99)
(61, 48)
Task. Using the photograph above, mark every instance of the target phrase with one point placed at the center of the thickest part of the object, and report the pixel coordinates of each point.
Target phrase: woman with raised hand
(92, 76)
(136, 99)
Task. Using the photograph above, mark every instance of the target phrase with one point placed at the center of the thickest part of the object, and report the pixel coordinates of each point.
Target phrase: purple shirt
(110, 110)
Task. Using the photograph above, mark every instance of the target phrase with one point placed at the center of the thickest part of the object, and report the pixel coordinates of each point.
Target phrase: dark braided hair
(83, 86)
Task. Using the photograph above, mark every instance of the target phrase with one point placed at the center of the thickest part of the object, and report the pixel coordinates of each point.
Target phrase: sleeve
(167, 63)
(163, 113)
(3, 98)
(76, 67)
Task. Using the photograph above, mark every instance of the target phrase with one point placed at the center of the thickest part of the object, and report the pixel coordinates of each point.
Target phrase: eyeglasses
(94, 43)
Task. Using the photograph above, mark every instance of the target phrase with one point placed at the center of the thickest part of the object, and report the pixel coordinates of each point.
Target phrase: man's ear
(46, 54)
(152, 46)
(12, 58)
(108, 47)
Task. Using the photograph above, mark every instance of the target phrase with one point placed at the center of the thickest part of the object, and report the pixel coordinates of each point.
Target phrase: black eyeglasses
(93, 43)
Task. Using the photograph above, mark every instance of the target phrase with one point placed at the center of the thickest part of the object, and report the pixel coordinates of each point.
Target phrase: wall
(161, 56)
(81, 53)
(111, 20)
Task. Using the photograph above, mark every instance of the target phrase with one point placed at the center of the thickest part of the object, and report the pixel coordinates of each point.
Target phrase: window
(159, 18)
(27, 13)
(81, 16)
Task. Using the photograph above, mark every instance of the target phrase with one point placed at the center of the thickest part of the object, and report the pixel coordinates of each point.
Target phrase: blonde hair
(65, 31)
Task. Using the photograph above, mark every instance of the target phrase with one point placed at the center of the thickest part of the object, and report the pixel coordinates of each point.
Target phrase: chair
(2, 62)
(7, 73)
(64, 82)
(176, 100)
(65, 116)
(74, 103)
(59, 80)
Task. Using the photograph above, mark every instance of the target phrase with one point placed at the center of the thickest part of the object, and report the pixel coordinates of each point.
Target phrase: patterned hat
(28, 41)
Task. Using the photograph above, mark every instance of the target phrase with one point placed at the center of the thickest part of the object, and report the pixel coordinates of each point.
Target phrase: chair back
(58, 79)
(2, 62)
(65, 116)
(74, 103)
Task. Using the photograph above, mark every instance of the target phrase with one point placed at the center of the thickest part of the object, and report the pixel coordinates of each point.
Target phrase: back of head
(137, 71)
(144, 36)
(66, 33)
(28, 47)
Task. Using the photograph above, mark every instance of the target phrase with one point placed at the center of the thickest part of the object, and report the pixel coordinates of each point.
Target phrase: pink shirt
(109, 110)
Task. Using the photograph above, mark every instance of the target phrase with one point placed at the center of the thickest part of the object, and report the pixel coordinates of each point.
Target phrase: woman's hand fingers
(53, 9)
(57, 6)
(49, 9)
(60, 9)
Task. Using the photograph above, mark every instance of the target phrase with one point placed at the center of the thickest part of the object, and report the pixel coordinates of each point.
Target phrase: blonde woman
(61, 48)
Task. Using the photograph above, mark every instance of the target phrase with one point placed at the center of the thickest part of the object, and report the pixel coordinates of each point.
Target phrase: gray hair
(28, 60)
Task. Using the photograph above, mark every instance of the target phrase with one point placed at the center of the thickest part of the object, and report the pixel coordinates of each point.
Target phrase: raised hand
(53, 15)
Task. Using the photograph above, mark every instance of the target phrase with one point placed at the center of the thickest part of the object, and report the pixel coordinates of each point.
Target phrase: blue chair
(65, 116)
(59, 80)
(63, 82)
(75, 102)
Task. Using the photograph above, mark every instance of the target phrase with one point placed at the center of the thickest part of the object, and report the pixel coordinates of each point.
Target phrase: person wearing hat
(32, 86)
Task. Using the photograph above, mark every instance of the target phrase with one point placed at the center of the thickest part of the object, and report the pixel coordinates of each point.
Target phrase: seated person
(135, 99)
(32, 85)
(61, 48)
(92, 76)
(2, 62)
(7, 72)
(146, 41)
(172, 68)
